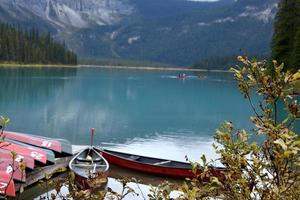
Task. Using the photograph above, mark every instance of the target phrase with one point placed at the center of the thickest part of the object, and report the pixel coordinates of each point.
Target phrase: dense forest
(224, 63)
(30, 46)
(121, 62)
(286, 38)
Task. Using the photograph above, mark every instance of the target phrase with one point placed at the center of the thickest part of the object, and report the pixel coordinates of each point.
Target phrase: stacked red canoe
(32, 151)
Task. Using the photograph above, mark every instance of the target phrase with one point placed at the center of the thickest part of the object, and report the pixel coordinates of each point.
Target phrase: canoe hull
(155, 166)
(94, 183)
(5, 154)
(36, 154)
(13, 169)
(7, 185)
(57, 145)
(173, 172)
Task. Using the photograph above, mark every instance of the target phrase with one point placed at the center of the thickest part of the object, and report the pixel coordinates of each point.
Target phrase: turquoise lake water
(145, 112)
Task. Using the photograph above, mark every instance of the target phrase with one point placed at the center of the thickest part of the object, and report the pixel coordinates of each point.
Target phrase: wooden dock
(41, 172)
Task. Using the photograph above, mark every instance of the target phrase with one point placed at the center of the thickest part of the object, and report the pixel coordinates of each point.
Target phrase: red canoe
(35, 140)
(157, 166)
(12, 168)
(36, 154)
(29, 161)
(50, 153)
(7, 185)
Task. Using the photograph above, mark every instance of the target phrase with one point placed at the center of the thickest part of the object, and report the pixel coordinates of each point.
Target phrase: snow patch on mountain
(266, 15)
(133, 39)
(75, 13)
(203, 24)
(113, 35)
(227, 19)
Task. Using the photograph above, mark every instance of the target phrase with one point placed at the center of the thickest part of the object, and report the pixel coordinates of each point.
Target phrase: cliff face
(171, 31)
(72, 13)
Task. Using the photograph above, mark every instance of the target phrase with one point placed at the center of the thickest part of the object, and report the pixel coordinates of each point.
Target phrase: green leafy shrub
(269, 170)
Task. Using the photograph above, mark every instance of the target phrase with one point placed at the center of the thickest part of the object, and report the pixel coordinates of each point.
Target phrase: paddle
(92, 136)
(92, 142)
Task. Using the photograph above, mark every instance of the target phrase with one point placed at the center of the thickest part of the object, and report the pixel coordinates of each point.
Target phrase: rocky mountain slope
(170, 31)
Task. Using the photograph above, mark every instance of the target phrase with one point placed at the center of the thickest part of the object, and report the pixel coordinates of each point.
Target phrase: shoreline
(14, 65)
(156, 68)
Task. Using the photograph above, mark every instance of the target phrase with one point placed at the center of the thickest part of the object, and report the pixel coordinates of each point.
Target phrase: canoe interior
(88, 164)
(151, 161)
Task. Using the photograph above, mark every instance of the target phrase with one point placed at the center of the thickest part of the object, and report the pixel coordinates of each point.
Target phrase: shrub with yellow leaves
(268, 170)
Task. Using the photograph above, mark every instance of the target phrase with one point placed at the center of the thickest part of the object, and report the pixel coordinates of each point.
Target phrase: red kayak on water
(36, 154)
(156, 166)
(57, 145)
(7, 185)
(29, 161)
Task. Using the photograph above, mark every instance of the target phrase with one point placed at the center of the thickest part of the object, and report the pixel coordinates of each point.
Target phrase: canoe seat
(82, 159)
(162, 162)
(133, 157)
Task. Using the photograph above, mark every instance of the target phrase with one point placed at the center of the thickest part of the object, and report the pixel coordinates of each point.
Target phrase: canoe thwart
(82, 159)
(134, 157)
(163, 162)
(86, 165)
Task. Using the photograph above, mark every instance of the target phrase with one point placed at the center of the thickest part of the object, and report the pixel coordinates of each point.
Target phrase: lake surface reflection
(144, 112)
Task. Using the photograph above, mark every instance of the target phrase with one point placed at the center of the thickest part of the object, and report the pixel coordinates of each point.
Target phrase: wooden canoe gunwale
(137, 159)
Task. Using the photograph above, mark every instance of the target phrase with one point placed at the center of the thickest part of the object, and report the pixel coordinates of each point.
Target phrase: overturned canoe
(7, 185)
(13, 169)
(29, 161)
(36, 154)
(50, 154)
(56, 145)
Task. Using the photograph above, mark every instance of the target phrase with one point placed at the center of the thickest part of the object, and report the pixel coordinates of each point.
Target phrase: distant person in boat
(181, 76)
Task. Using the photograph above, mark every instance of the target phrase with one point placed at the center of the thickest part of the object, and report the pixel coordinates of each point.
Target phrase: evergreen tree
(296, 51)
(285, 31)
(30, 46)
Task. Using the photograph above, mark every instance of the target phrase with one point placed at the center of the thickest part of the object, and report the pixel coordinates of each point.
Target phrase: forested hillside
(286, 38)
(22, 46)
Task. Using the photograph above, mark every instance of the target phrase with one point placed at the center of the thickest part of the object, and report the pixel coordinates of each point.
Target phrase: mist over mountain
(170, 31)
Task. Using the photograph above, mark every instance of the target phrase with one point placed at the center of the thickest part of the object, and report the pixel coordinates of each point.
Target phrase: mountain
(178, 32)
